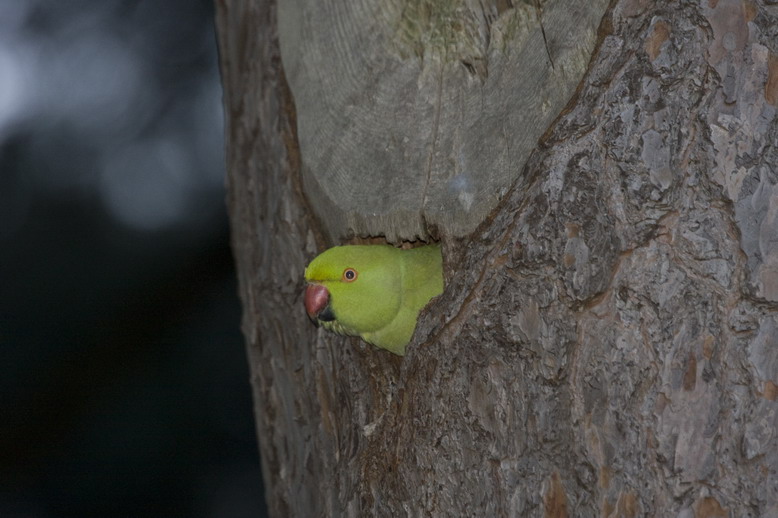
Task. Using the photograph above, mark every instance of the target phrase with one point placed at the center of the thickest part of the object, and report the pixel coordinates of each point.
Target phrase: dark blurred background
(124, 388)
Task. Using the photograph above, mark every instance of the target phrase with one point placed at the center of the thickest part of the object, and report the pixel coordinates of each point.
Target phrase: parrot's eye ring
(350, 275)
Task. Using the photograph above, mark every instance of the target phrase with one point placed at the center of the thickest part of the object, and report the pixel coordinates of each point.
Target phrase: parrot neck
(422, 275)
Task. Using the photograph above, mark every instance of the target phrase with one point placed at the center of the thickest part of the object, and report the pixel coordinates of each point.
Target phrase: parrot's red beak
(316, 299)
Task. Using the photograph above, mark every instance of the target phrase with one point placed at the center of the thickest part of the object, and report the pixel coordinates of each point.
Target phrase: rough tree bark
(607, 343)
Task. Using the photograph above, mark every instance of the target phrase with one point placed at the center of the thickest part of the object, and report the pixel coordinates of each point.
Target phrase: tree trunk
(607, 341)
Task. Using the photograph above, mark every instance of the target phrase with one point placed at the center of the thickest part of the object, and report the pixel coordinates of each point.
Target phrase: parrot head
(354, 289)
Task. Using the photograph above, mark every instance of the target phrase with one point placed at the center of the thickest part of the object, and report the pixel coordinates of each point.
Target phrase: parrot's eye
(349, 275)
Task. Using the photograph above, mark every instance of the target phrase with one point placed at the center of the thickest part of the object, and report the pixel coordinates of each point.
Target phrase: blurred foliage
(124, 389)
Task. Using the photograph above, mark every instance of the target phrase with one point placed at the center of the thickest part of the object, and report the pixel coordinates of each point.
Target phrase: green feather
(382, 304)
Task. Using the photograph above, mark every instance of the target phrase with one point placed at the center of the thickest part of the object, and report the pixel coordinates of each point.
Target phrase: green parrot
(373, 291)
